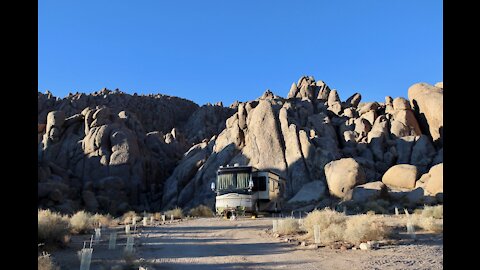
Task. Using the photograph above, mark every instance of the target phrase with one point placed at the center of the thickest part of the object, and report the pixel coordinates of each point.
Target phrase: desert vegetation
(201, 211)
(176, 212)
(53, 228)
(288, 226)
(430, 218)
(335, 226)
(45, 262)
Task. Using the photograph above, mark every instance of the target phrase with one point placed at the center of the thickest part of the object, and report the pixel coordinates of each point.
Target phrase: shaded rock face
(91, 144)
(427, 102)
(95, 154)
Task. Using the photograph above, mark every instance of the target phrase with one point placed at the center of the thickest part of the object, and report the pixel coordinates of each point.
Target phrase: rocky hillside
(113, 151)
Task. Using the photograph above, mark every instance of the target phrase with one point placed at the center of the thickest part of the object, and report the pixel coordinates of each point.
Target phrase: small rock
(365, 246)
(313, 246)
(276, 235)
(303, 244)
(343, 248)
(354, 248)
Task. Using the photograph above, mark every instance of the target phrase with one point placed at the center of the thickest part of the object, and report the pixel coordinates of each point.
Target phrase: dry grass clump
(433, 211)
(129, 216)
(324, 218)
(177, 213)
(105, 220)
(288, 226)
(362, 228)
(157, 216)
(45, 262)
(81, 222)
(335, 226)
(201, 211)
(53, 228)
(429, 219)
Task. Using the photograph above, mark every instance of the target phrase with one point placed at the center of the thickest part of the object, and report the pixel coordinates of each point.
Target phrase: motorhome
(245, 189)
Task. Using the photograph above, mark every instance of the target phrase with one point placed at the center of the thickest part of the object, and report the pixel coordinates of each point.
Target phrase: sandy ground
(213, 243)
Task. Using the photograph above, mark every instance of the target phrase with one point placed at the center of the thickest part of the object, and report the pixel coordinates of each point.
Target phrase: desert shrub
(128, 217)
(335, 226)
(176, 212)
(105, 220)
(81, 222)
(332, 233)
(379, 206)
(288, 226)
(432, 211)
(157, 216)
(53, 228)
(45, 262)
(201, 211)
(430, 224)
(362, 228)
(324, 218)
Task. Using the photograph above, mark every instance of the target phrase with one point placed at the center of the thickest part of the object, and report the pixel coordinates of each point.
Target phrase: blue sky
(209, 51)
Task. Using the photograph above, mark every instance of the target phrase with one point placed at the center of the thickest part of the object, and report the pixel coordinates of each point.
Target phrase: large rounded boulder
(435, 181)
(343, 175)
(400, 176)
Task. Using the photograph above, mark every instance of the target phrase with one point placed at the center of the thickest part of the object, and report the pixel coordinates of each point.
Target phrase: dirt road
(245, 244)
(213, 243)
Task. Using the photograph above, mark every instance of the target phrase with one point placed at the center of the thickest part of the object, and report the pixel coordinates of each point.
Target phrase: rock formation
(111, 151)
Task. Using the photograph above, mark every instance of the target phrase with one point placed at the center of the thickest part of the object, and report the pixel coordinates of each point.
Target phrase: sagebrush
(362, 228)
(53, 228)
(176, 212)
(335, 226)
(81, 222)
(45, 262)
(104, 220)
(128, 217)
(288, 226)
(201, 211)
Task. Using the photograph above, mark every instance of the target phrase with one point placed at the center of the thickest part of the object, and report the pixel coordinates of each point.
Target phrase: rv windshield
(233, 181)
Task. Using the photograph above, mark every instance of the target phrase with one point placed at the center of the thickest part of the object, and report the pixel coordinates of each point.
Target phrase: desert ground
(244, 243)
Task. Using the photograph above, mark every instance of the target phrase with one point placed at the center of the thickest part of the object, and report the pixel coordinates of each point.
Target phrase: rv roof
(235, 168)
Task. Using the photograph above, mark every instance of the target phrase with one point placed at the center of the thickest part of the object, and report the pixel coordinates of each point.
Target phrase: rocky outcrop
(155, 112)
(427, 102)
(110, 151)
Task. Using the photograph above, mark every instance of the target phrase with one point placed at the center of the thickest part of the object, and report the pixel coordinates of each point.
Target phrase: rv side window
(259, 183)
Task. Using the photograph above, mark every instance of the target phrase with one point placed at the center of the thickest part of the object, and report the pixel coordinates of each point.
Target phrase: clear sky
(209, 51)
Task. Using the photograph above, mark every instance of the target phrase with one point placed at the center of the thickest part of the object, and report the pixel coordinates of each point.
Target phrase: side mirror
(212, 186)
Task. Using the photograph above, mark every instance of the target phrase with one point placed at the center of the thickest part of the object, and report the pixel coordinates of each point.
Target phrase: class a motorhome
(245, 189)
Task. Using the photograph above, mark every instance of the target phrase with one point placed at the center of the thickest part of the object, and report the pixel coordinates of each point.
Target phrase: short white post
(98, 234)
(134, 220)
(275, 225)
(164, 218)
(144, 221)
(127, 229)
(86, 258)
(316, 233)
(129, 246)
(410, 229)
(396, 211)
(112, 243)
(152, 220)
